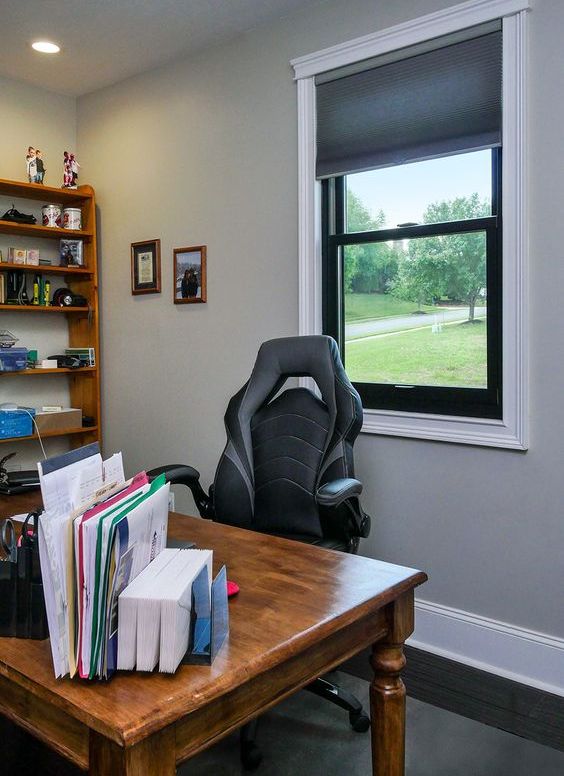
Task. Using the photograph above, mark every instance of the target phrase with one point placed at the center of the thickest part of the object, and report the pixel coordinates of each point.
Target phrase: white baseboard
(506, 650)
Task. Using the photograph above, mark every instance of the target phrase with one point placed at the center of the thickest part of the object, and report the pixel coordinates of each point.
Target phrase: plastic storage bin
(13, 359)
(16, 423)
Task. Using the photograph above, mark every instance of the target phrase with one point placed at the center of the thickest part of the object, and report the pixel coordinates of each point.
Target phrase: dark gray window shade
(440, 102)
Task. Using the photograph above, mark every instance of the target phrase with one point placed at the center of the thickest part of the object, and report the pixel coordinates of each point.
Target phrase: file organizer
(22, 604)
(210, 619)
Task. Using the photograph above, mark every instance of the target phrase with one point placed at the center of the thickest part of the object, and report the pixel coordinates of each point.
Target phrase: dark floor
(306, 735)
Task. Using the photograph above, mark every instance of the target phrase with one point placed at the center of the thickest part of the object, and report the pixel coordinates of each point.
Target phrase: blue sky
(404, 192)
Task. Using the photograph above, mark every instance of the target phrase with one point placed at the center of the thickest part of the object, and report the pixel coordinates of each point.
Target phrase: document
(155, 611)
(96, 535)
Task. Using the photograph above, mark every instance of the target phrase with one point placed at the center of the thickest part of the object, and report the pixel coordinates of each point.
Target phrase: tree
(367, 268)
(452, 266)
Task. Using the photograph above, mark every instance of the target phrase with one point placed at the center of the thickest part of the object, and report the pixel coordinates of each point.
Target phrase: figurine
(70, 171)
(40, 167)
(74, 171)
(31, 163)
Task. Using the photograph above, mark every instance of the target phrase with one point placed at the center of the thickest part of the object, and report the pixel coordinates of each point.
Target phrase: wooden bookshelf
(82, 322)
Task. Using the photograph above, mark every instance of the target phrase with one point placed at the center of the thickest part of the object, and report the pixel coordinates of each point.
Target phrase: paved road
(404, 322)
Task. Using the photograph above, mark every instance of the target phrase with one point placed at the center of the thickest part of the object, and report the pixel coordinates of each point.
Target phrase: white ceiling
(105, 41)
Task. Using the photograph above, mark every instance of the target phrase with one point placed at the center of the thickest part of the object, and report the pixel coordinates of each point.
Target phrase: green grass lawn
(455, 356)
(362, 307)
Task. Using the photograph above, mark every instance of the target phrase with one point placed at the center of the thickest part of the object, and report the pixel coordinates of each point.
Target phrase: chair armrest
(179, 474)
(335, 492)
(340, 501)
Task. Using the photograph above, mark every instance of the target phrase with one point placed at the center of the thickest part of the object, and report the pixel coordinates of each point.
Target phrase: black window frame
(484, 403)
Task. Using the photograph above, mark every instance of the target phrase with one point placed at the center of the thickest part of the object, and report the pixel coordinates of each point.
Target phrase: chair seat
(327, 542)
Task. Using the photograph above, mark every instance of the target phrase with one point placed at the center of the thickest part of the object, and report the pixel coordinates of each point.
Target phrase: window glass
(415, 310)
(408, 193)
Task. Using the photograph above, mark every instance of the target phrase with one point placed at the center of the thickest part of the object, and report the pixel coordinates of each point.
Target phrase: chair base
(251, 756)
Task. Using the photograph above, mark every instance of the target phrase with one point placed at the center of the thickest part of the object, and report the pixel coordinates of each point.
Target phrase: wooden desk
(301, 612)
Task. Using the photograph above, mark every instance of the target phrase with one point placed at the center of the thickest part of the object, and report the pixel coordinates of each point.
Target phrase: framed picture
(146, 267)
(190, 275)
(71, 253)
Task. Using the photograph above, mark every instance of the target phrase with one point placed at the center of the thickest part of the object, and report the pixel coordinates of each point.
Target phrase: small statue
(70, 171)
(31, 164)
(40, 167)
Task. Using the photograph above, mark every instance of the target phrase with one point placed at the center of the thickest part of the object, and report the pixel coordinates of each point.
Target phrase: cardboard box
(59, 421)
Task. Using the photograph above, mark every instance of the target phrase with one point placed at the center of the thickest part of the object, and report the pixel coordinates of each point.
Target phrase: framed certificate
(146, 267)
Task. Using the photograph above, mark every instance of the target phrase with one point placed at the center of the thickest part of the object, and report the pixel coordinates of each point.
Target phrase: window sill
(460, 430)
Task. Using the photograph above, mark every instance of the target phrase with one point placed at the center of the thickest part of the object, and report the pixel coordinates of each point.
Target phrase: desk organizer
(22, 605)
(210, 619)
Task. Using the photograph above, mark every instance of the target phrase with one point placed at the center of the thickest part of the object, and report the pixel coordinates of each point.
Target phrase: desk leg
(155, 756)
(387, 692)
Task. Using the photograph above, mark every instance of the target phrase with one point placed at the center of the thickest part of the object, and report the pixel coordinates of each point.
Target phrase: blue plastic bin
(13, 359)
(16, 423)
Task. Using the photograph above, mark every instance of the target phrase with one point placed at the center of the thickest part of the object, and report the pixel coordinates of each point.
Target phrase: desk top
(292, 597)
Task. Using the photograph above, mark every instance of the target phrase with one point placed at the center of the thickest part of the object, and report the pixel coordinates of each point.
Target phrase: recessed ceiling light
(46, 47)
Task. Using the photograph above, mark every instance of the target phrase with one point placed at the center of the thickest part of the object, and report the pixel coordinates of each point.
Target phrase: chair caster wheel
(360, 722)
(251, 756)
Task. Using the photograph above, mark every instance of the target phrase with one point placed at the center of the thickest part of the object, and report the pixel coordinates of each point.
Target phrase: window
(410, 265)
(412, 283)
(365, 148)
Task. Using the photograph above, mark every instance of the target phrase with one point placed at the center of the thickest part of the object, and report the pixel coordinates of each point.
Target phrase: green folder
(101, 578)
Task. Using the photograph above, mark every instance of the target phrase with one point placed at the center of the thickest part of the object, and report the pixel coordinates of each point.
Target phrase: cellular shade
(443, 101)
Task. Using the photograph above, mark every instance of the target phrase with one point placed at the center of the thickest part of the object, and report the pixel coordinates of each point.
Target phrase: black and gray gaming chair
(287, 468)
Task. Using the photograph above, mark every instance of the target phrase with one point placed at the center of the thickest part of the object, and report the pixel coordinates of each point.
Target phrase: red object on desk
(232, 589)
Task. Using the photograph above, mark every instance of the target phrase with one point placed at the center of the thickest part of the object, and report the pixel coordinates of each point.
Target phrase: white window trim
(512, 430)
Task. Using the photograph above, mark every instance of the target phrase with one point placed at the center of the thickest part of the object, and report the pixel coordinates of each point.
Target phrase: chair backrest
(282, 446)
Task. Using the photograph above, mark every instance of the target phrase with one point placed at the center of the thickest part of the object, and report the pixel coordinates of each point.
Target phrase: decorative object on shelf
(72, 218)
(64, 297)
(70, 252)
(16, 288)
(7, 339)
(70, 171)
(32, 257)
(16, 217)
(51, 215)
(34, 164)
(190, 275)
(146, 267)
(40, 167)
(17, 255)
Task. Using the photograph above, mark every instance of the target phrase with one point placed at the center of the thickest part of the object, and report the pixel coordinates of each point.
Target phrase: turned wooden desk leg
(155, 756)
(387, 693)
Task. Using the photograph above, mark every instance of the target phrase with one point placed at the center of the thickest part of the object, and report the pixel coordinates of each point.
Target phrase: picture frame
(146, 267)
(71, 253)
(190, 275)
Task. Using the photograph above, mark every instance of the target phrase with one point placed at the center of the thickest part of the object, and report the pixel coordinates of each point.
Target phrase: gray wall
(205, 151)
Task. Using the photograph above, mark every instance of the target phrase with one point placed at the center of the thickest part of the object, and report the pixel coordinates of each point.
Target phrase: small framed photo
(70, 253)
(146, 267)
(190, 275)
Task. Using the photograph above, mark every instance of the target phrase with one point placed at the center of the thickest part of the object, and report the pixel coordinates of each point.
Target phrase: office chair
(287, 469)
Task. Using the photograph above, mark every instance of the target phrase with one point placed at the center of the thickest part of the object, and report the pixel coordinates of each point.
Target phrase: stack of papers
(98, 532)
(155, 610)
